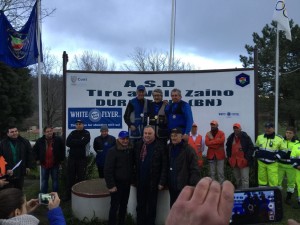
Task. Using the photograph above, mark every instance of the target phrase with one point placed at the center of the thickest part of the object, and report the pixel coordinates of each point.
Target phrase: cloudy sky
(209, 34)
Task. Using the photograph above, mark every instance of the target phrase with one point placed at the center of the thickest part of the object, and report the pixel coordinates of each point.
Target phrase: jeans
(45, 178)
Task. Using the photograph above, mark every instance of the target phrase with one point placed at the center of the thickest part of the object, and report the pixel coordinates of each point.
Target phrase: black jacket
(247, 146)
(118, 167)
(77, 142)
(39, 149)
(158, 164)
(24, 153)
(183, 169)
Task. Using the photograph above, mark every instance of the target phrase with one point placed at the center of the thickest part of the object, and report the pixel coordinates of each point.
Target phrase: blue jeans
(45, 177)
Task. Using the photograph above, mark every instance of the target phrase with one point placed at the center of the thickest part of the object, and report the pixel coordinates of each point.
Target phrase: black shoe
(288, 199)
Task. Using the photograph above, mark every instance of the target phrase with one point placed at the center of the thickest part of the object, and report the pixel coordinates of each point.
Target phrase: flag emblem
(242, 80)
(18, 43)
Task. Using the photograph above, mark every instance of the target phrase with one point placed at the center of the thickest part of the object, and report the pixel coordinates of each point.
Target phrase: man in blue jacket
(179, 114)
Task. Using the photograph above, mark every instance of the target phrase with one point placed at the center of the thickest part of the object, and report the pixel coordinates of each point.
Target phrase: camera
(257, 205)
(44, 198)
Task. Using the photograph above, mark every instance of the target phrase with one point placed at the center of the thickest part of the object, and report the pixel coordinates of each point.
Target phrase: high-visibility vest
(2, 166)
(197, 146)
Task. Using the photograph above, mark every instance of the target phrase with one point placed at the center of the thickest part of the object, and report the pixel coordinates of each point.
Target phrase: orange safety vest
(215, 146)
(2, 166)
(237, 158)
(197, 146)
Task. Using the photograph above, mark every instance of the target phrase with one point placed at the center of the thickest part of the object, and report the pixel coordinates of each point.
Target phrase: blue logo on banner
(94, 118)
(242, 80)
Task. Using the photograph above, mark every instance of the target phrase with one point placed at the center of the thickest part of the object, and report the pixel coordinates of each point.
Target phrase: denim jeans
(45, 178)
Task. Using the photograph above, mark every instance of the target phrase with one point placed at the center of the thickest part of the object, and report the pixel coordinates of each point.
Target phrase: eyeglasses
(77, 124)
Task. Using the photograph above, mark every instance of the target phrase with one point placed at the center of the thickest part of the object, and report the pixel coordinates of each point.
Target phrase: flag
(282, 19)
(19, 48)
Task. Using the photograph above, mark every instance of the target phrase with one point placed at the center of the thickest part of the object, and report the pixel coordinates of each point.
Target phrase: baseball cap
(237, 125)
(214, 122)
(79, 121)
(176, 130)
(104, 127)
(269, 125)
(194, 125)
(141, 88)
(123, 134)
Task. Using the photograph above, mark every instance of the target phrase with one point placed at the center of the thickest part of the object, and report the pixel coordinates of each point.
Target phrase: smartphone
(257, 205)
(44, 198)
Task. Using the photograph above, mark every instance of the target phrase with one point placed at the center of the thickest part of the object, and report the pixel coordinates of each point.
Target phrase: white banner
(101, 98)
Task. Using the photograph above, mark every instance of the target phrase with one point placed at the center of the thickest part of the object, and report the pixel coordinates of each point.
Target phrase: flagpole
(39, 68)
(276, 80)
(39, 77)
(172, 36)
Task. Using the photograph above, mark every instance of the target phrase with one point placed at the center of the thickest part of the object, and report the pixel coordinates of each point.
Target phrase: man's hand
(3, 182)
(160, 187)
(185, 137)
(114, 189)
(10, 172)
(132, 128)
(31, 205)
(292, 222)
(208, 203)
(54, 203)
(209, 135)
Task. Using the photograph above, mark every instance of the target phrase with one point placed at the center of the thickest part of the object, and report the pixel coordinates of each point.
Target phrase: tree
(52, 91)
(289, 68)
(15, 96)
(18, 11)
(153, 60)
(92, 61)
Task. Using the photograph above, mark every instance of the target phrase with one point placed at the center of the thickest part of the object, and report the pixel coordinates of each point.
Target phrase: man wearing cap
(239, 149)
(157, 116)
(183, 165)
(136, 113)
(179, 114)
(78, 141)
(196, 141)
(268, 145)
(214, 140)
(118, 174)
(151, 170)
(101, 146)
(285, 167)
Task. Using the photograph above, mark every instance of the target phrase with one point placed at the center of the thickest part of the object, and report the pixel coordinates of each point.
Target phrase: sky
(209, 34)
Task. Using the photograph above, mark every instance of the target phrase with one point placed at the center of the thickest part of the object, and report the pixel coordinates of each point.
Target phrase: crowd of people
(161, 149)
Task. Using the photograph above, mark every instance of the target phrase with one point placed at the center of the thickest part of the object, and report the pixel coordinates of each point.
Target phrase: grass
(32, 188)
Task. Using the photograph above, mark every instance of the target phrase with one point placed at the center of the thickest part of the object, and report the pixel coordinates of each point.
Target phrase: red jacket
(197, 146)
(215, 145)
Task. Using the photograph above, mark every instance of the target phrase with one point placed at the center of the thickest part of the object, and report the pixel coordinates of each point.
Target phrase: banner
(99, 98)
(282, 19)
(19, 48)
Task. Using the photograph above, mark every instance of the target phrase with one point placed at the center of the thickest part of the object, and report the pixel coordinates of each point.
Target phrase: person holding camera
(15, 209)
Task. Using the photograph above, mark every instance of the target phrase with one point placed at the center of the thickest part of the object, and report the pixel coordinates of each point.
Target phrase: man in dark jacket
(239, 149)
(183, 165)
(118, 174)
(151, 168)
(49, 152)
(16, 149)
(101, 146)
(78, 141)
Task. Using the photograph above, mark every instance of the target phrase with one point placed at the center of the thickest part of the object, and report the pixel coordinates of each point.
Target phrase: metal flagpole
(277, 80)
(172, 36)
(39, 76)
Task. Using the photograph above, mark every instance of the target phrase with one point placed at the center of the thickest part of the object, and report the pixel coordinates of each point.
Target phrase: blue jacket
(101, 146)
(180, 115)
(56, 217)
